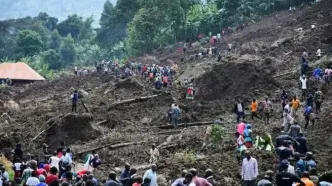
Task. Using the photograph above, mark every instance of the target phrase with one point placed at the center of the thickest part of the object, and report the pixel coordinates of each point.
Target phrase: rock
(83, 93)
(279, 42)
(161, 180)
(299, 30)
(146, 121)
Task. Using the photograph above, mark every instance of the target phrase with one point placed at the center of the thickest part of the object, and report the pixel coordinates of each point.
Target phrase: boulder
(279, 42)
(146, 121)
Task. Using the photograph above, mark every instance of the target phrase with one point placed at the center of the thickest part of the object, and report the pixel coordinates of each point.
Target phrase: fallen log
(85, 107)
(169, 132)
(284, 74)
(135, 100)
(102, 122)
(43, 131)
(111, 146)
(187, 125)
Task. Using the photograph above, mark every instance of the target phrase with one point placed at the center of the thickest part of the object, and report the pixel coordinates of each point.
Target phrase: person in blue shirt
(310, 163)
(175, 114)
(152, 175)
(248, 136)
(74, 98)
(125, 174)
(300, 164)
(158, 84)
(179, 181)
(309, 116)
(317, 73)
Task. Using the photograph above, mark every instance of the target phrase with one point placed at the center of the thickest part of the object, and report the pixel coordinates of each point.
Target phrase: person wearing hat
(310, 163)
(180, 181)
(304, 85)
(152, 175)
(284, 178)
(42, 181)
(249, 170)
(306, 180)
(266, 181)
(209, 177)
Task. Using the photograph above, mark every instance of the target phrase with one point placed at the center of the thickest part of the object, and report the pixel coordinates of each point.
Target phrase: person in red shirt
(165, 81)
(47, 168)
(52, 176)
(41, 171)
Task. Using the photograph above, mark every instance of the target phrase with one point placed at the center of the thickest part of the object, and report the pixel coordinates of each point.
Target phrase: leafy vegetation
(128, 28)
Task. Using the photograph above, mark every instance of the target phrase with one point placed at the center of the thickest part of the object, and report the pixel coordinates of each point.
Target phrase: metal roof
(18, 71)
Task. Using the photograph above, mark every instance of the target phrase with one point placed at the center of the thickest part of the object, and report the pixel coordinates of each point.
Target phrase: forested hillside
(61, 9)
(127, 28)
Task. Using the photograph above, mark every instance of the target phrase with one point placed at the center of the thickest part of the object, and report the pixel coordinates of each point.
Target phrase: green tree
(52, 58)
(72, 25)
(42, 31)
(107, 14)
(86, 30)
(67, 51)
(142, 30)
(55, 40)
(29, 42)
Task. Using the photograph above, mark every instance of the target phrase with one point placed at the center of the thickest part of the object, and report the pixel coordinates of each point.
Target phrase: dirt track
(248, 74)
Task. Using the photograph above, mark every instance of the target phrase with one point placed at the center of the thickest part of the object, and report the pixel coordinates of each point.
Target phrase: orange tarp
(18, 71)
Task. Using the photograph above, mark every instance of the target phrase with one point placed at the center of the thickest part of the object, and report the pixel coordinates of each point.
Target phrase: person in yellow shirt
(295, 106)
(254, 107)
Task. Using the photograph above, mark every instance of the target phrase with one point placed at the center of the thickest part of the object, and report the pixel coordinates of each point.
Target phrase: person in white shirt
(319, 53)
(154, 154)
(291, 169)
(75, 70)
(287, 115)
(33, 180)
(5, 176)
(304, 85)
(54, 161)
(249, 170)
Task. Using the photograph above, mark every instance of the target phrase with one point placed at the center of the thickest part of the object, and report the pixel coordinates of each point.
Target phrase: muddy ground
(265, 61)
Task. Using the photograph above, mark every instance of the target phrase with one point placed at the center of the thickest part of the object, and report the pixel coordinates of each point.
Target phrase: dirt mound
(234, 80)
(71, 128)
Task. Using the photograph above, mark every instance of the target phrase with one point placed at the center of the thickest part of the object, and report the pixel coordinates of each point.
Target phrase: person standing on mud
(295, 106)
(254, 107)
(304, 85)
(267, 107)
(239, 111)
(175, 114)
(154, 154)
(318, 97)
(249, 171)
(74, 98)
(283, 98)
